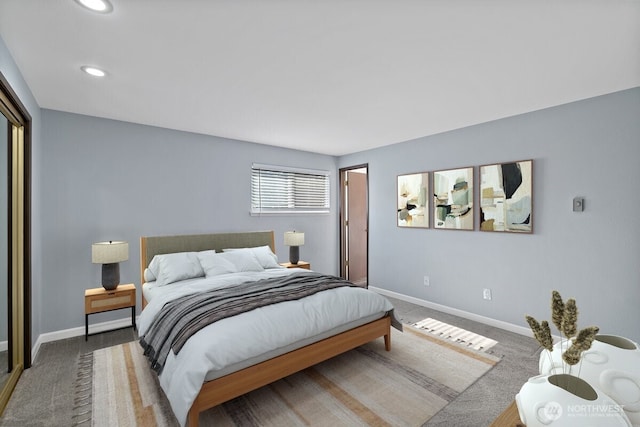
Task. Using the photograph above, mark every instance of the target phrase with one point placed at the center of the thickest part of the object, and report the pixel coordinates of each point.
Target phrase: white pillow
(243, 260)
(149, 276)
(264, 255)
(171, 268)
(215, 264)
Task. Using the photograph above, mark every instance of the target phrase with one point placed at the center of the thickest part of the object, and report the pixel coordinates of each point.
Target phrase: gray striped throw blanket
(183, 317)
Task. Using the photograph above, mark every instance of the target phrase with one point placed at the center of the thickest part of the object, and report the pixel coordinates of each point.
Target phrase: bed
(263, 362)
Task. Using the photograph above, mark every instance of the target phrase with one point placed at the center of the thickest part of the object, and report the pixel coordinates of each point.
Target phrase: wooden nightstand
(99, 300)
(509, 418)
(300, 264)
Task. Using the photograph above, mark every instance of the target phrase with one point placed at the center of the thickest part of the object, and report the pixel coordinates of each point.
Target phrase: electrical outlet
(486, 293)
(426, 281)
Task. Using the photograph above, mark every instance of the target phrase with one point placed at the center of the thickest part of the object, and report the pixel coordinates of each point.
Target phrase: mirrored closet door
(5, 364)
(15, 237)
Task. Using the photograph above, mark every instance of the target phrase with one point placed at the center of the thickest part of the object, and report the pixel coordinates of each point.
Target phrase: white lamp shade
(293, 238)
(109, 252)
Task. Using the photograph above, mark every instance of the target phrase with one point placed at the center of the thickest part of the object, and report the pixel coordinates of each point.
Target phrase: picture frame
(506, 197)
(453, 199)
(412, 203)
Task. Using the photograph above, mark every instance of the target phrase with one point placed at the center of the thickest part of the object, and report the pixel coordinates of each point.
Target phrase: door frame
(343, 238)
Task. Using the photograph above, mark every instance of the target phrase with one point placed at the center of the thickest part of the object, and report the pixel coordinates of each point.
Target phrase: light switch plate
(578, 204)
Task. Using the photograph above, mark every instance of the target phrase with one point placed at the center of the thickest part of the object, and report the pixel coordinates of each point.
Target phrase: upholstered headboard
(152, 246)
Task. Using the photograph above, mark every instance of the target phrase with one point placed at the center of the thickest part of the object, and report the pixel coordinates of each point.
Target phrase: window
(278, 189)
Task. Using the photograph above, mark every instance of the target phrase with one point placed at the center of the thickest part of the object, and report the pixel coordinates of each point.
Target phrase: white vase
(567, 401)
(612, 364)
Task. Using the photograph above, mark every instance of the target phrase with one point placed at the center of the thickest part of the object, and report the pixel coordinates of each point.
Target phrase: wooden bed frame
(243, 381)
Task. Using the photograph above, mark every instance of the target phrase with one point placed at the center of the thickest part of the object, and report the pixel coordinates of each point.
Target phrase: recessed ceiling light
(102, 6)
(96, 72)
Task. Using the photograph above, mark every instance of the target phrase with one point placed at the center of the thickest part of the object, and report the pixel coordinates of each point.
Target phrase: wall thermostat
(578, 204)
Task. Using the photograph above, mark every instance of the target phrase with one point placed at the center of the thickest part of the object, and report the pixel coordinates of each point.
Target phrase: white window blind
(279, 189)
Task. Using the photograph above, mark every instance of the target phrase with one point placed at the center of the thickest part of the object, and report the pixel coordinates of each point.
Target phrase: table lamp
(294, 239)
(109, 254)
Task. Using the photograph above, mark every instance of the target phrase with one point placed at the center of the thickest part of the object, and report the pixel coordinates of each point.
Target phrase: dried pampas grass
(564, 315)
(570, 318)
(557, 309)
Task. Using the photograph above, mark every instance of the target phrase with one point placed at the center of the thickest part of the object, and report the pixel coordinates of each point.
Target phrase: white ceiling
(328, 76)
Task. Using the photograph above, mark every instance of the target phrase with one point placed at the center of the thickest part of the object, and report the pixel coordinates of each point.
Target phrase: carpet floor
(44, 394)
(4, 363)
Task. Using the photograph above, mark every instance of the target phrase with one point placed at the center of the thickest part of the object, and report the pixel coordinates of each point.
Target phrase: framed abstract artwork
(453, 199)
(412, 201)
(506, 197)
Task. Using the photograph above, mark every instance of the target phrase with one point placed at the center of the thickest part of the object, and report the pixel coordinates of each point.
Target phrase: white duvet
(221, 347)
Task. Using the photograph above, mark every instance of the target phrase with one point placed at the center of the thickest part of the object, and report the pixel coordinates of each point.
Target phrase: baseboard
(79, 331)
(4, 345)
(456, 312)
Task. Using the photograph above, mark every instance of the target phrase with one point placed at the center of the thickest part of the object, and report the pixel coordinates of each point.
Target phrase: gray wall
(111, 180)
(590, 149)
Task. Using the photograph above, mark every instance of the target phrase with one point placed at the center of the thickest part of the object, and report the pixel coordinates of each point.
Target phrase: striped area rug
(125, 392)
(455, 334)
(365, 386)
